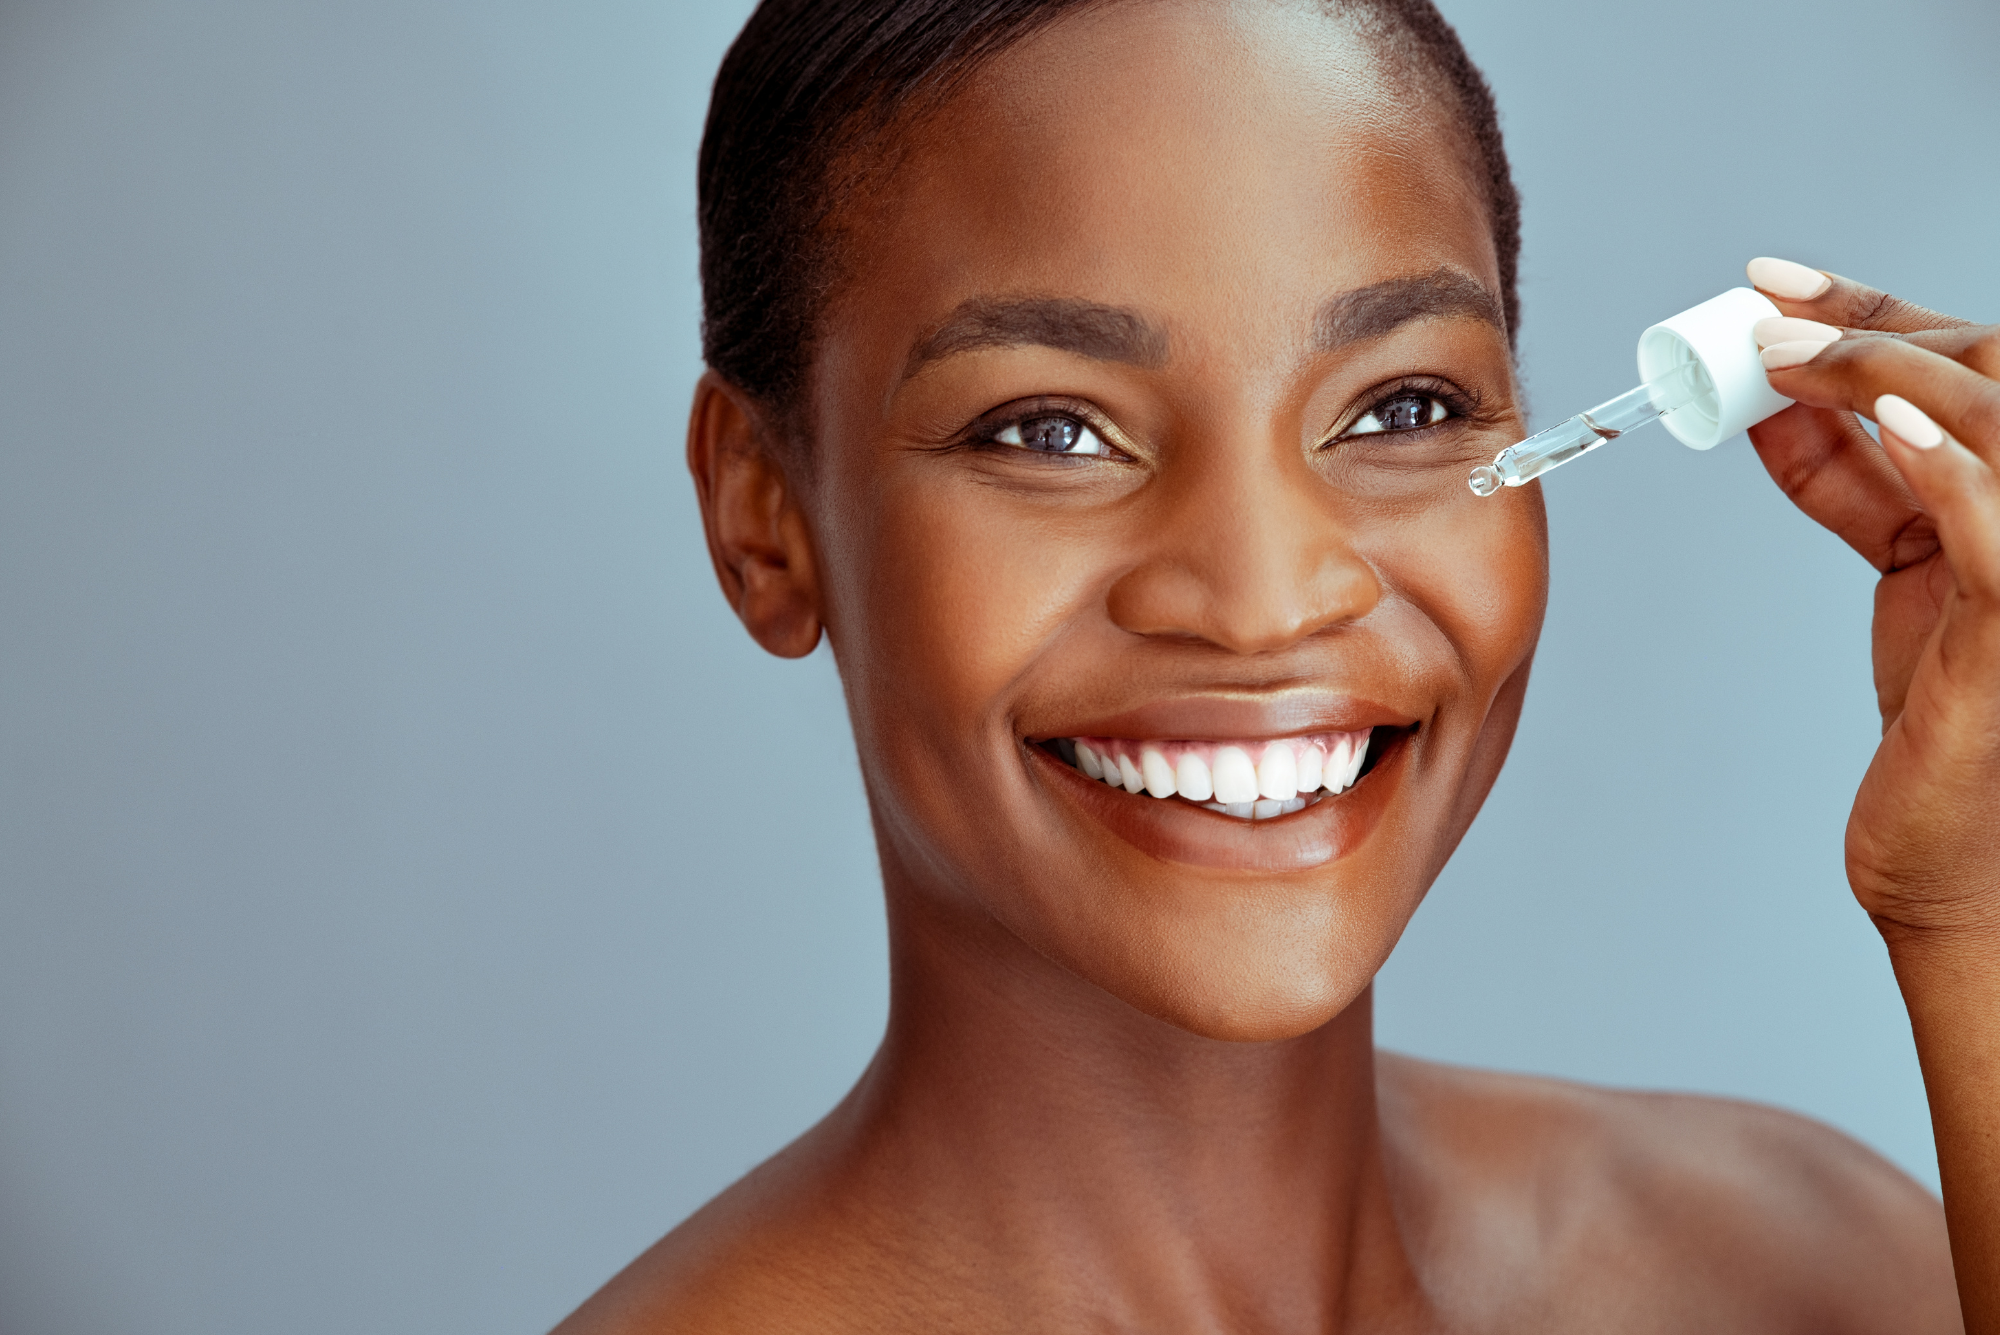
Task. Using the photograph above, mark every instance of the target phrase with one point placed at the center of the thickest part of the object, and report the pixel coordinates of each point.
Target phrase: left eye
(1051, 435)
(1404, 412)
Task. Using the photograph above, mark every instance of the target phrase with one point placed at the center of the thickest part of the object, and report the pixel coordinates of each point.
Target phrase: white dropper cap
(1715, 336)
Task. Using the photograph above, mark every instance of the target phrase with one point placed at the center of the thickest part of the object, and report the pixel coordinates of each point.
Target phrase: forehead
(1223, 166)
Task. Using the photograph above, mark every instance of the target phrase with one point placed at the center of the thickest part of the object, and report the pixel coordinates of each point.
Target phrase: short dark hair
(806, 79)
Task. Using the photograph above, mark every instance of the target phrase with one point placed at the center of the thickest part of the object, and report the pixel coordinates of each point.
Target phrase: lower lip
(1176, 831)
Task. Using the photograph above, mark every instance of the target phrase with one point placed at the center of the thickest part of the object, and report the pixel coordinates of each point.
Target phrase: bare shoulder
(763, 1257)
(1732, 1214)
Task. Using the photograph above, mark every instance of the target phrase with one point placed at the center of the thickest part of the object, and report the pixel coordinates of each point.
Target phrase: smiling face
(1140, 427)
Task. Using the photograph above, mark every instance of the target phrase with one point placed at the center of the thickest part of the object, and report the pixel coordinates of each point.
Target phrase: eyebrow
(1372, 311)
(1103, 333)
(1115, 334)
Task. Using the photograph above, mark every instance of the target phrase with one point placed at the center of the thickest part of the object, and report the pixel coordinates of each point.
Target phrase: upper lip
(1246, 716)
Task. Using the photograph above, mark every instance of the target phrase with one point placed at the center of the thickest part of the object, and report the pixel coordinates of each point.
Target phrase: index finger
(1831, 299)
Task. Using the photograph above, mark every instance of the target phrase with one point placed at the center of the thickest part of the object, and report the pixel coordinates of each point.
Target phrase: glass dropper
(1676, 388)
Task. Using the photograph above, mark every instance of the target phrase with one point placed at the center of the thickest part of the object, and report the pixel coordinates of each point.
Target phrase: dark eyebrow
(1370, 312)
(1105, 333)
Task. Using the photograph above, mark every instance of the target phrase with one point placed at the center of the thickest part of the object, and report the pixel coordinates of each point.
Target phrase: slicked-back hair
(807, 81)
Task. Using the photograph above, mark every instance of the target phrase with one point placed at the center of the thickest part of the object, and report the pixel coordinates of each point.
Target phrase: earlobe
(757, 532)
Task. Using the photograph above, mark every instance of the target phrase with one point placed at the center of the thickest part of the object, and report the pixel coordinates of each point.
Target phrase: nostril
(1244, 605)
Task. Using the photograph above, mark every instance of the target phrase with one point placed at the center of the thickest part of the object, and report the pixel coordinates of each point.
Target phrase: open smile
(1217, 818)
(1244, 780)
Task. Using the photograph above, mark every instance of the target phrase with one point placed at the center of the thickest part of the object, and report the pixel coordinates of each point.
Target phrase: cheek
(1480, 579)
(1478, 569)
(942, 600)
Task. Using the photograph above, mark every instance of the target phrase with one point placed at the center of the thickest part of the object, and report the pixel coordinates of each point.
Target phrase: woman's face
(1142, 416)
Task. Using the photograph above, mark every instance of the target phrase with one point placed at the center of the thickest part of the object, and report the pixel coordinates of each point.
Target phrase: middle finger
(1974, 346)
(1852, 373)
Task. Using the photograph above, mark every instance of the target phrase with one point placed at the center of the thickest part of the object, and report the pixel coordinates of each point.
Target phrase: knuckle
(1852, 305)
(1982, 353)
(1982, 415)
(1874, 305)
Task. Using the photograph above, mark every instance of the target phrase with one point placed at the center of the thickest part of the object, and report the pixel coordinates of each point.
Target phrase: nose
(1246, 549)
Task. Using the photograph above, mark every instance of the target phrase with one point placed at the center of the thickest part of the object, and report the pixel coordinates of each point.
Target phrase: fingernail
(1908, 421)
(1784, 356)
(1785, 329)
(1782, 278)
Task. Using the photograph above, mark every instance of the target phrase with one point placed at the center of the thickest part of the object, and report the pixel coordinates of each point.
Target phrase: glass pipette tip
(1587, 430)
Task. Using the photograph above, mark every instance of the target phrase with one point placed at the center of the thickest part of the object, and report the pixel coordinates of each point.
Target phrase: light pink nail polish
(1910, 423)
(1784, 356)
(1782, 278)
(1786, 329)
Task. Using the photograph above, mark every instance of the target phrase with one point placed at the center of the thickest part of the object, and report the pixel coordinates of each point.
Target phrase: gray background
(397, 928)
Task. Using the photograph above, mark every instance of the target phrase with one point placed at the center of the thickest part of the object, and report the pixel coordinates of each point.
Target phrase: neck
(1064, 1143)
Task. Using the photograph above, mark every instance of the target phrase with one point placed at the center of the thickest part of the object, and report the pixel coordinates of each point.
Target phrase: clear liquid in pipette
(1586, 431)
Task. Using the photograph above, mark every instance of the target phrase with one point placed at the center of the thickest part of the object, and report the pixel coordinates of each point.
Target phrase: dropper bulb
(1485, 480)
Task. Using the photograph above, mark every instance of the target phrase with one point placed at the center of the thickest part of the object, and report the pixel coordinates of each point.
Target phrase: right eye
(1051, 433)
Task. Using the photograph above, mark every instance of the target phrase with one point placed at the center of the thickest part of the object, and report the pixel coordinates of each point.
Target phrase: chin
(1275, 977)
(1269, 1015)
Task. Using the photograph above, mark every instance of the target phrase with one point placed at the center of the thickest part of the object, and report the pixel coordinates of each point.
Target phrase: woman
(1102, 379)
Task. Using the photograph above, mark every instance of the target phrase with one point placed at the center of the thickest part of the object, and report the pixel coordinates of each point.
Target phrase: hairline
(870, 143)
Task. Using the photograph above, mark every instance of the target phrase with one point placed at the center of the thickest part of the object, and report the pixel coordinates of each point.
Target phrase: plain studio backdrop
(416, 892)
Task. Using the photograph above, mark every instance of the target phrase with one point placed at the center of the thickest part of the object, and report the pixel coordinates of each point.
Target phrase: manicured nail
(1907, 420)
(1782, 278)
(1785, 329)
(1784, 356)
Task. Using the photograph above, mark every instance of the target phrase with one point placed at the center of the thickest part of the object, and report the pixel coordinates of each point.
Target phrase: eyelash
(1456, 405)
(985, 433)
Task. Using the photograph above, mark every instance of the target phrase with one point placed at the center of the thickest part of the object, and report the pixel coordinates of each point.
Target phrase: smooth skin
(1129, 1080)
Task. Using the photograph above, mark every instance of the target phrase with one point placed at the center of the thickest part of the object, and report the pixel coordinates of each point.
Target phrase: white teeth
(1278, 772)
(1284, 778)
(1235, 776)
(1332, 775)
(1087, 759)
(1311, 758)
(1264, 808)
(1191, 778)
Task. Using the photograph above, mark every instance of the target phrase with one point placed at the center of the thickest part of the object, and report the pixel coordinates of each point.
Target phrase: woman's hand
(1923, 841)
(1923, 845)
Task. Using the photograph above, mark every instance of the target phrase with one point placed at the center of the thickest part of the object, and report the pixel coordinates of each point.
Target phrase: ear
(757, 534)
